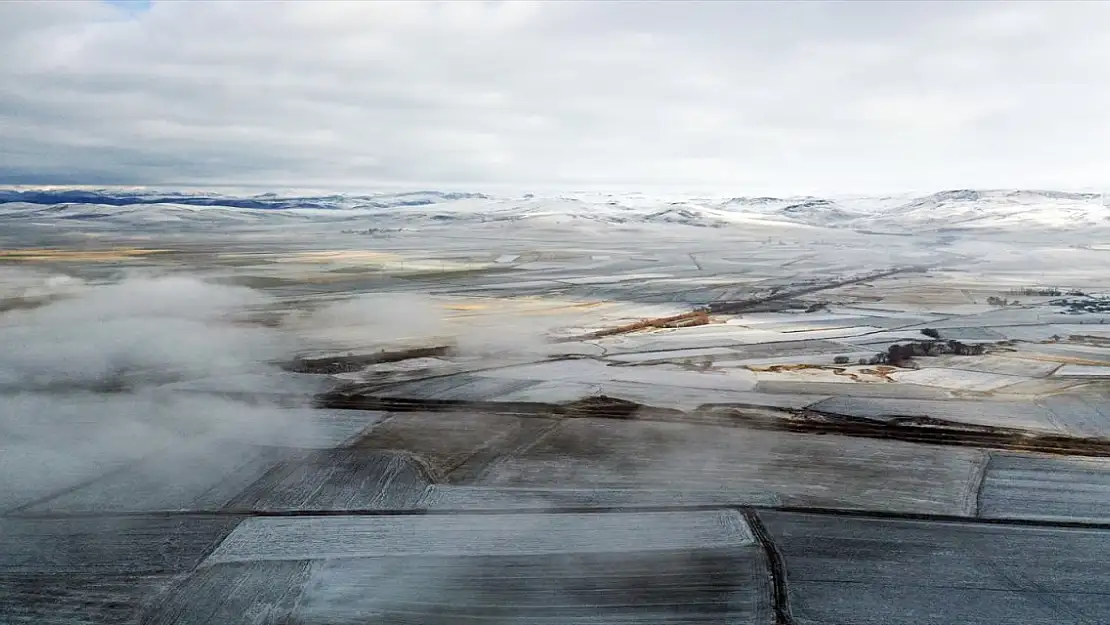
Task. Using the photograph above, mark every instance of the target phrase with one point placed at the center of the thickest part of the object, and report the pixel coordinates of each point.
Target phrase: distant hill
(963, 208)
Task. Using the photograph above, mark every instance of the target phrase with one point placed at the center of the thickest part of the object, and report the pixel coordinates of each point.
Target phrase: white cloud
(803, 97)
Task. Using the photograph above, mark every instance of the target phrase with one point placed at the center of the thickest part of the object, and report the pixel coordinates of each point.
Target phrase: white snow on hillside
(938, 212)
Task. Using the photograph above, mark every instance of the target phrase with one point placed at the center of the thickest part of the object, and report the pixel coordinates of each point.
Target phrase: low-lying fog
(93, 376)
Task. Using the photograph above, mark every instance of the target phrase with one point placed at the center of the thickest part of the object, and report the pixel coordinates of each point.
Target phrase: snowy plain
(509, 357)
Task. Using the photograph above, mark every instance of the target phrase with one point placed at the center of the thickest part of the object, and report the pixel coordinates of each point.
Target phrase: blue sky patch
(131, 6)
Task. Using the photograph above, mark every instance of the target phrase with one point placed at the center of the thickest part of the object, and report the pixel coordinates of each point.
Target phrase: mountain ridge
(974, 208)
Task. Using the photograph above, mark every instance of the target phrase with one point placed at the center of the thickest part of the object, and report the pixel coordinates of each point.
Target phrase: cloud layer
(776, 97)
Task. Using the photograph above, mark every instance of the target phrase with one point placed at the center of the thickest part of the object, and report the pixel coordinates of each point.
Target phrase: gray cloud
(803, 97)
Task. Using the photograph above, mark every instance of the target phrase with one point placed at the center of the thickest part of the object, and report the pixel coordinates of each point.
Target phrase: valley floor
(614, 425)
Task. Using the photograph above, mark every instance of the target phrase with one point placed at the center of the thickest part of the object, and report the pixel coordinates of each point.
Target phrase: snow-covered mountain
(997, 209)
(959, 209)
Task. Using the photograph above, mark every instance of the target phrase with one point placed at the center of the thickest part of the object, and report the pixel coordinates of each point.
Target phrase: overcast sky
(788, 97)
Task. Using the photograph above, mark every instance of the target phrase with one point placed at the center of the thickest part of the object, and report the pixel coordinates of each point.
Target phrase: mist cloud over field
(87, 381)
(96, 375)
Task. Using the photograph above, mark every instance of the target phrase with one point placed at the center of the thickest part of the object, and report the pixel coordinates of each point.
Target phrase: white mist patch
(393, 320)
(506, 333)
(157, 329)
(373, 320)
(99, 378)
(30, 282)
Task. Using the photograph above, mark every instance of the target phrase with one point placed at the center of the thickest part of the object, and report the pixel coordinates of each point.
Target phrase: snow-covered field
(544, 299)
(574, 368)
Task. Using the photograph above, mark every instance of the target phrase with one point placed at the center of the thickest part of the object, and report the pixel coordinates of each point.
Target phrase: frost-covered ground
(556, 402)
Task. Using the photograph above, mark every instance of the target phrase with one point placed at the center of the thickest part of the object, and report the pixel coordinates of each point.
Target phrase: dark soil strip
(601, 407)
(685, 320)
(923, 430)
(625, 509)
(735, 307)
(780, 595)
(938, 432)
(357, 362)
